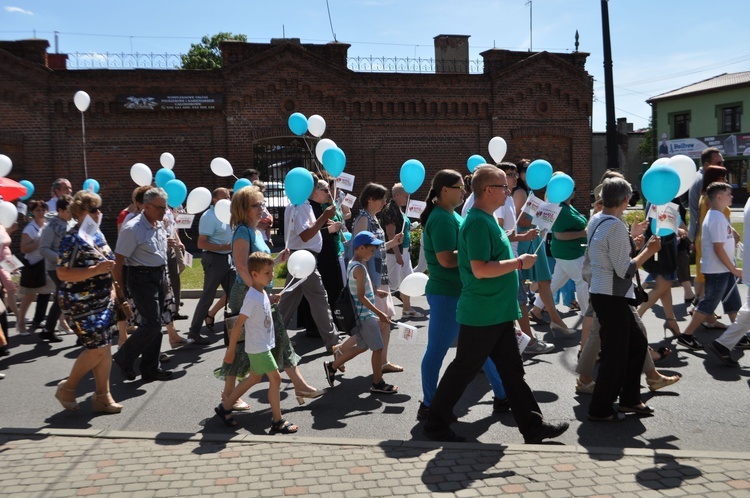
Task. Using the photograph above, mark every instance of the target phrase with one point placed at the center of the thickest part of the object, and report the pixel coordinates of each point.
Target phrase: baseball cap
(364, 238)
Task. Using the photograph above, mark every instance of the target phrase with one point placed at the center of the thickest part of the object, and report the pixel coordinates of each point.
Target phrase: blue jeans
(441, 333)
(720, 288)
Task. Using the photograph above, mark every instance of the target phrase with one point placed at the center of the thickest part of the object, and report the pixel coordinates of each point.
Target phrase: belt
(217, 253)
(145, 269)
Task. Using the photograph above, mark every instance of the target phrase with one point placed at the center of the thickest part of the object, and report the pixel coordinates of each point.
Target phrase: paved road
(707, 410)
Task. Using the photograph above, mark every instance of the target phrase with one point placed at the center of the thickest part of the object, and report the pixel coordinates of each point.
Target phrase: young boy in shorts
(255, 316)
(367, 333)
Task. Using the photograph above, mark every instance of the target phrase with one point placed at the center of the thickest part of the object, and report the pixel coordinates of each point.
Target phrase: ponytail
(443, 178)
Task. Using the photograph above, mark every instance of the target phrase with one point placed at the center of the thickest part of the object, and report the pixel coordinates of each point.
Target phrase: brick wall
(539, 102)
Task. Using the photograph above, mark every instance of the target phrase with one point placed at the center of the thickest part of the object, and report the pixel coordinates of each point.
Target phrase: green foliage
(647, 148)
(416, 240)
(206, 54)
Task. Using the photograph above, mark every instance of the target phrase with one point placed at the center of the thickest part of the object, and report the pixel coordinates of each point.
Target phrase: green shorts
(262, 363)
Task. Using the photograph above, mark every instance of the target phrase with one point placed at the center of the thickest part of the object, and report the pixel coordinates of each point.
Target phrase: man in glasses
(60, 187)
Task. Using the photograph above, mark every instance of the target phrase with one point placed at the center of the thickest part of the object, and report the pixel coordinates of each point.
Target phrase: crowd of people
(491, 276)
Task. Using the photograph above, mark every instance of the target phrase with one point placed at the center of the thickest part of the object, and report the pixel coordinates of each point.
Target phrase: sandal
(391, 368)
(337, 352)
(209, 321)
(382, 387)
(574, 306)
(283, 426)
(225, 416)
(659, 355)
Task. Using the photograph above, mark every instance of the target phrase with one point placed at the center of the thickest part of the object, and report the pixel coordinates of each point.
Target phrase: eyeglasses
(324, 189)
(160, 208)
(499, 186)
(458, 187)
(511, 175)
(93, 209)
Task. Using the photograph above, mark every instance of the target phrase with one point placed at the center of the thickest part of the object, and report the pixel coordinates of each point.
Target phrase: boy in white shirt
(255, 316)
(717, 264)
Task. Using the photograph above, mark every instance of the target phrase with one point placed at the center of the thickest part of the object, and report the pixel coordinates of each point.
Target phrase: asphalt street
(706, 410)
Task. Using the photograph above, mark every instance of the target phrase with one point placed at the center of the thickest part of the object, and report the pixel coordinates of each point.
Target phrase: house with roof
(708, 113)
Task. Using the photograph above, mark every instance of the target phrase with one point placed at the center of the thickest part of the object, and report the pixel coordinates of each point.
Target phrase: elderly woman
(43, 287)
(246, 213)
(623, 345)
(87, 299)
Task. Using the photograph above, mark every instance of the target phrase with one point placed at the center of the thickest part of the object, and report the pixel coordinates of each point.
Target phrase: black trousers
(475, 344)
(621, 358)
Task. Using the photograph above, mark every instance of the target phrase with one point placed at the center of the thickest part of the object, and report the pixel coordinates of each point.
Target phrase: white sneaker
(539, 347)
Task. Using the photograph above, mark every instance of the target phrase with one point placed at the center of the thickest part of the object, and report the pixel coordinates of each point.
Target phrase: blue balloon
(298, 185)
(348, 237)
(660, 184)
(334, 161)
(663, 231)
(176, 192)
(242, 183)
(412, 175)
(559, 188)
(163, 176)
(92, 185)
(538, 174)
(475, 161)
(29, 189)
(298, 123)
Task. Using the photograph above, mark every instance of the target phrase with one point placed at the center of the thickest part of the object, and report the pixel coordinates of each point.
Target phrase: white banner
(345, 181)
(415, 208)
(532, 205)
(546, 215)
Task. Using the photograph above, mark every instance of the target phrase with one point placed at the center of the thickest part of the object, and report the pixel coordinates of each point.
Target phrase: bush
(416, 241)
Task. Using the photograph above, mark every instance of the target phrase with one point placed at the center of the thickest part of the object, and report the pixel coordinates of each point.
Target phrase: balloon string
(314, 158)
(83, 131)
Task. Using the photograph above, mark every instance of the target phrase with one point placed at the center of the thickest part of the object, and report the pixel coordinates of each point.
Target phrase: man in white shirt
(60, 187)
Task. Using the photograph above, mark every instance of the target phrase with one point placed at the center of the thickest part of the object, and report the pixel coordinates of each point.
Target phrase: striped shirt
(612, 268)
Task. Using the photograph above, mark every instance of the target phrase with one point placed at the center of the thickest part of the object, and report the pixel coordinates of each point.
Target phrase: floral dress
(87, 304)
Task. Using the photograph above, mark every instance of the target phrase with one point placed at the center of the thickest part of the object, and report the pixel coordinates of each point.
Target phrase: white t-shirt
(259, 333)
(297, 219)
(506, 212)
(716, 228)
(33, 231)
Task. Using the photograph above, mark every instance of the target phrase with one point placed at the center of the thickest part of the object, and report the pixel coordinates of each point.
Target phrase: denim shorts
(720, 287)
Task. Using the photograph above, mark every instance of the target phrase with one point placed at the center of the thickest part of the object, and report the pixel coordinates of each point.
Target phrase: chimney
(452, 54)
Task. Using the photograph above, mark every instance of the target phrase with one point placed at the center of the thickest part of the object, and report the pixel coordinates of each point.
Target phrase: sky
(657, 46)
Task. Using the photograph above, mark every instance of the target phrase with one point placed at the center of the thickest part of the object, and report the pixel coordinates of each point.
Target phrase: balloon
(685, 167)
(298, 185)
(347, 236)
(223, 211)
(538, 174)
(82, 100)
(560, 187)
(474, 161)
(412, 175)
(163, 176)
(141, 174)
(167, 160)
(316, 125)
(176, 192)
(241, 183)
(660, 184)
(323, 146)
(298, 123)
(8, 214)
(221, 167)
(198, 200)
(498, 148)
(91, 185)
(334, 161)
(29, 189)
(5, 165)
(663, 231)
(414, 285)
(661, 160)
(301, 264)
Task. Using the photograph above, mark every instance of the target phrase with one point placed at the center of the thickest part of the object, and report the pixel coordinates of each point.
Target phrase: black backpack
(345, 314)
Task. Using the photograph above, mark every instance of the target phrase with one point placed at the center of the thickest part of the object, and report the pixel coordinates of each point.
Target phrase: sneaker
(582, 388)
(539, 347)
(744, 343)
(423, 411)
(546, 431)
(722, 353)
(412, 314)
(689, 342)
(330, 372)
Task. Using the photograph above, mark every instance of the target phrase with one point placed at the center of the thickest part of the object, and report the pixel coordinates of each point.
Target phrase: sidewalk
(52, 463)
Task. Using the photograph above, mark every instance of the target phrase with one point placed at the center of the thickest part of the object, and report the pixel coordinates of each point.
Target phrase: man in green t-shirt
(487, 309)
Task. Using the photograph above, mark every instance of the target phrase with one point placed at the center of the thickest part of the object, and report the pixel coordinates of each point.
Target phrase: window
(730, 119)
(681, 126)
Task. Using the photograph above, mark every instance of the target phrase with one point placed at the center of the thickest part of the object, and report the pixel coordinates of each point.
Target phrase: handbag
(641, 296)
(33, 276)
(345, 314)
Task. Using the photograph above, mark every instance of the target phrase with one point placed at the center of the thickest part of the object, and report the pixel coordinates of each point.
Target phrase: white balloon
(222, 210)
(82, 100)
(316, 125)
(167, 160)
(686, 168)
(5, 165)
(141, 174)
(301, 264)
(498, 148)
(221, 167)
(414, 285)
(8, 214)
(661, 160)
(198, 200)
(323, 146)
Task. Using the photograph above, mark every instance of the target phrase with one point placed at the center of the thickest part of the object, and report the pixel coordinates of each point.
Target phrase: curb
(254, 439)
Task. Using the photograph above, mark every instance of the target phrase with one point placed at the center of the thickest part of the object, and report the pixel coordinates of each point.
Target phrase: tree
(646, 148)
(206, 54)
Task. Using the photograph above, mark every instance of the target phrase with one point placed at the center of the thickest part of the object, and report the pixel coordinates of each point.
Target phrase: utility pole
(613, 156)
(531, 25)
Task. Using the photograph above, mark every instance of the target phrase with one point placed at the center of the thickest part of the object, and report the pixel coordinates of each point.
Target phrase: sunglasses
(93, 209)
(459, 187)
